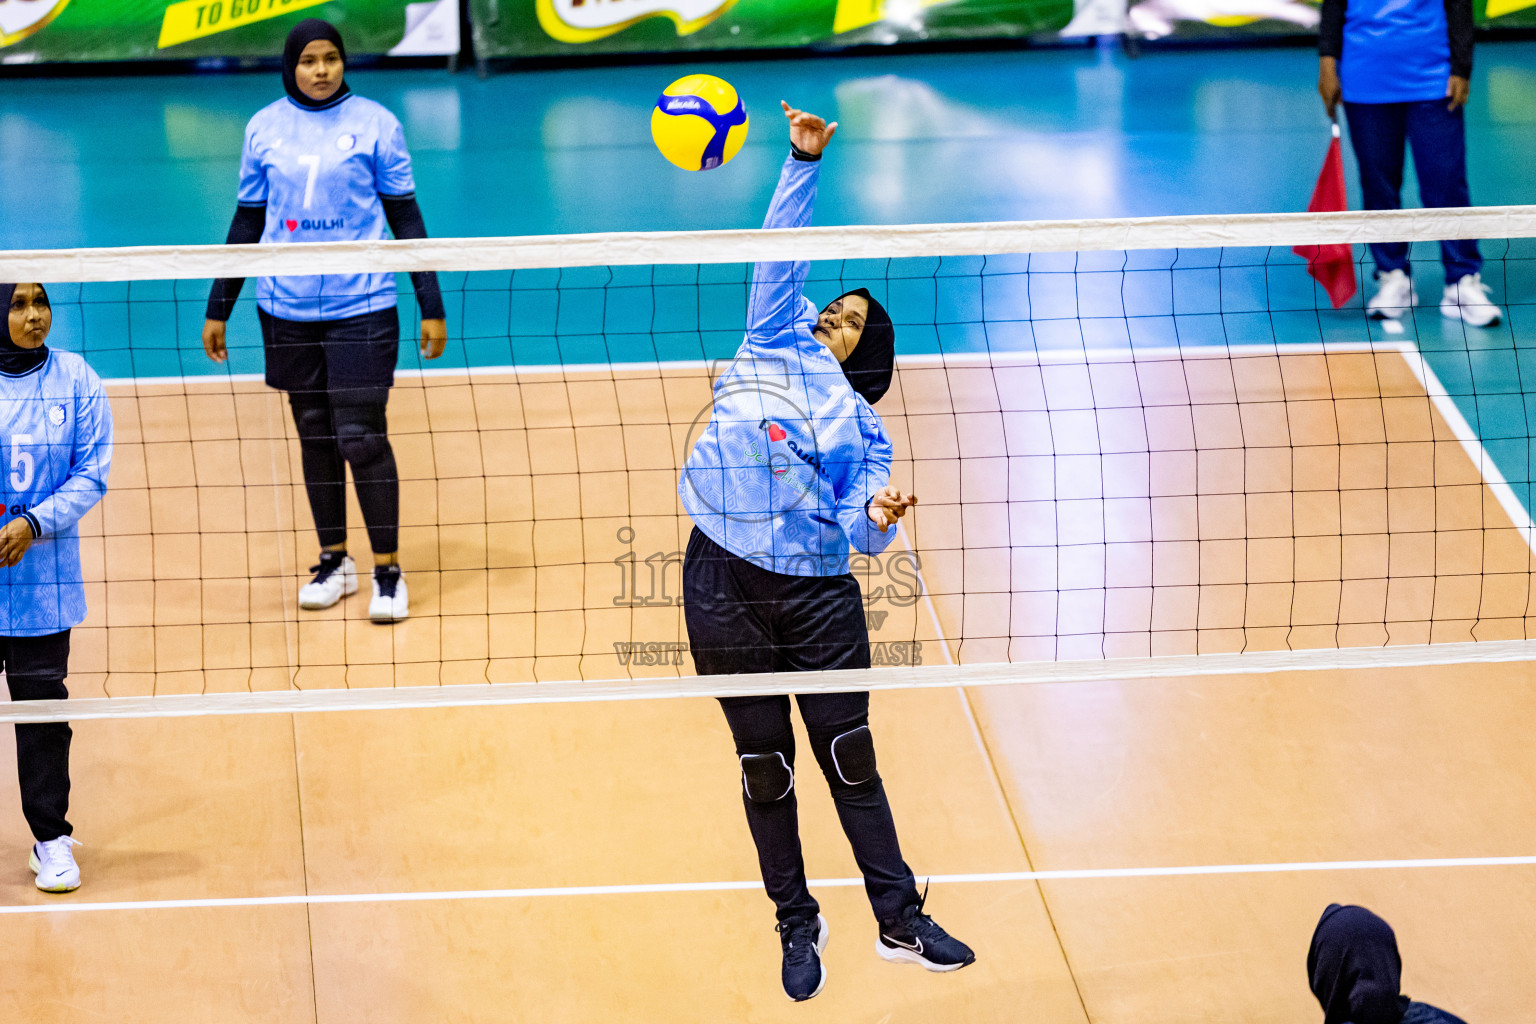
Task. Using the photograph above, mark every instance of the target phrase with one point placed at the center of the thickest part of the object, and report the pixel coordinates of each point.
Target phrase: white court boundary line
(1487, 468)
(653, 248)
(645, 889)
(913, 361)
(921, 677)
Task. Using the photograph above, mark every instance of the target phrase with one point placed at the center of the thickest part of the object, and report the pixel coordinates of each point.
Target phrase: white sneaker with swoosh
(54, 864)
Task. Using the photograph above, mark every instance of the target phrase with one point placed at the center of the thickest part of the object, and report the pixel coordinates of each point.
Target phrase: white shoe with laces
(54, 864)
(334, 579)
(391, 602)
(1467, 300)
(1394, 296)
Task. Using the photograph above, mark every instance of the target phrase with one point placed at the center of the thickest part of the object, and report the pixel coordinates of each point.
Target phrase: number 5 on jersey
(21, 462)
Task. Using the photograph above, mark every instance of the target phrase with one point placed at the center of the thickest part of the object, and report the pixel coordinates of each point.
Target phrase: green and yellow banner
(36, 31)
(99, 30)
(564, 27)
(195, 19)
(1215, 19)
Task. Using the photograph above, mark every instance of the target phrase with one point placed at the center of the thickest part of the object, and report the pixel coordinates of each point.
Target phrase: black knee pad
(853, 756)
(767, 778)
(361, 433)
(312, 420)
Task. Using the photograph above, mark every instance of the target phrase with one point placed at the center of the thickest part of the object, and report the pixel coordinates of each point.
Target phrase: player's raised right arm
(777, 286)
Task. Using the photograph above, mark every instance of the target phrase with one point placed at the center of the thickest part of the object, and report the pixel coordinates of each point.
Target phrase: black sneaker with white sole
(803, 939)
(915, 938)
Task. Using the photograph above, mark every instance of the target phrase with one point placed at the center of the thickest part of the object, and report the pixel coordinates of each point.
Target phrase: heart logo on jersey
(776, 432)
(293, 225)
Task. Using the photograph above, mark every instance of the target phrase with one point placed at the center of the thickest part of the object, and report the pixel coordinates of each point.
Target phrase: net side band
(180, 262)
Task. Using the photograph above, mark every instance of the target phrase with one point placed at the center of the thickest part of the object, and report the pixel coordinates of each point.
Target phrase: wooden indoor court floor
(626, 820)
(590, 862)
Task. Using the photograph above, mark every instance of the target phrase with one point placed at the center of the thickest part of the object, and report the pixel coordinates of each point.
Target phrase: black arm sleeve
(1458, 19)
(405, 220)
(245, 229)
(1330, 30)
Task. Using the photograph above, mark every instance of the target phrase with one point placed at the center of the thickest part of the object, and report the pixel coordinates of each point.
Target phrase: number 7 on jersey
(312, 161)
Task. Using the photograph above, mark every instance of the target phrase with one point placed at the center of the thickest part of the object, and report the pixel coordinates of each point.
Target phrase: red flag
(1332, 265)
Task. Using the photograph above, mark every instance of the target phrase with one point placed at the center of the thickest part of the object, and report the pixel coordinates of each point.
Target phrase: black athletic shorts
(743, 618)
(348, 362)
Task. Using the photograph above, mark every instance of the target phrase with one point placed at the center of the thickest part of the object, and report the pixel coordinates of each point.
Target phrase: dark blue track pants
(1380, 133)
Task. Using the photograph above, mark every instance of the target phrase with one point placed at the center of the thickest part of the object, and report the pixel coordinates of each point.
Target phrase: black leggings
(35, 667)
(332, 437)
(742, 618)
(338, 374)
(760, 725)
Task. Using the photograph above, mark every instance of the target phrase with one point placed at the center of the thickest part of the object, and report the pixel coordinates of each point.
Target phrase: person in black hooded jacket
(1355, 971)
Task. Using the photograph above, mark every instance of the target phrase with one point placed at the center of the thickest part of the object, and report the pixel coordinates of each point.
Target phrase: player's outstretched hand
(888, 505)
(807, 131)
(434, 338)
(213, 340)
(15, 538)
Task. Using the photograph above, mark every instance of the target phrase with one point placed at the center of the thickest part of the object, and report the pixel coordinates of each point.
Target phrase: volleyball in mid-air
(699, 122)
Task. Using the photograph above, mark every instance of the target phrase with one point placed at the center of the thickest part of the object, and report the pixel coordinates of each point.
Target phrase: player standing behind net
(58, 448)
(325, 164)
(792, 470)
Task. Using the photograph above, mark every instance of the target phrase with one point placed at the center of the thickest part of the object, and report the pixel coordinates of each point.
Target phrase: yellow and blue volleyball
(699, 122)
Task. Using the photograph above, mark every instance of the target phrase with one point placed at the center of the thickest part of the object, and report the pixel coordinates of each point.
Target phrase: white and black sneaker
(335, 578)
(803, 939)
(391, 602)
(915, 938)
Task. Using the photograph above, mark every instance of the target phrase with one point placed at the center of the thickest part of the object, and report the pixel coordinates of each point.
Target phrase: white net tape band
(174, 262)
(1469, 655)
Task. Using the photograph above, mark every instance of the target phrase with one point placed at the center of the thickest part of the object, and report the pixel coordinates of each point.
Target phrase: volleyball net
(1139, 447)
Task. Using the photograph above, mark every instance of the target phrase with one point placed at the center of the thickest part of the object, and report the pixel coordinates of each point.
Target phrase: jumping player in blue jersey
(324, 164)
(56, 440)
(792, 471)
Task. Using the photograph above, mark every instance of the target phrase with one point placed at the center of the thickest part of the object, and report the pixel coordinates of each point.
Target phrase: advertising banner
(1215, 19)
(33, 31)
(525, 28)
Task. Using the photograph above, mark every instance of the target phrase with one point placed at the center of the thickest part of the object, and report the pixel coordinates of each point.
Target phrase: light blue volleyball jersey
(320, 173)
(792, 454)
(56, 443)
(1395, 51)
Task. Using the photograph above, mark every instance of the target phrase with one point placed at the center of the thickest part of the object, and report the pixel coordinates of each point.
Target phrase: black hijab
(304, 33)
(1354, 967)
(15, 360)
(869, 367)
